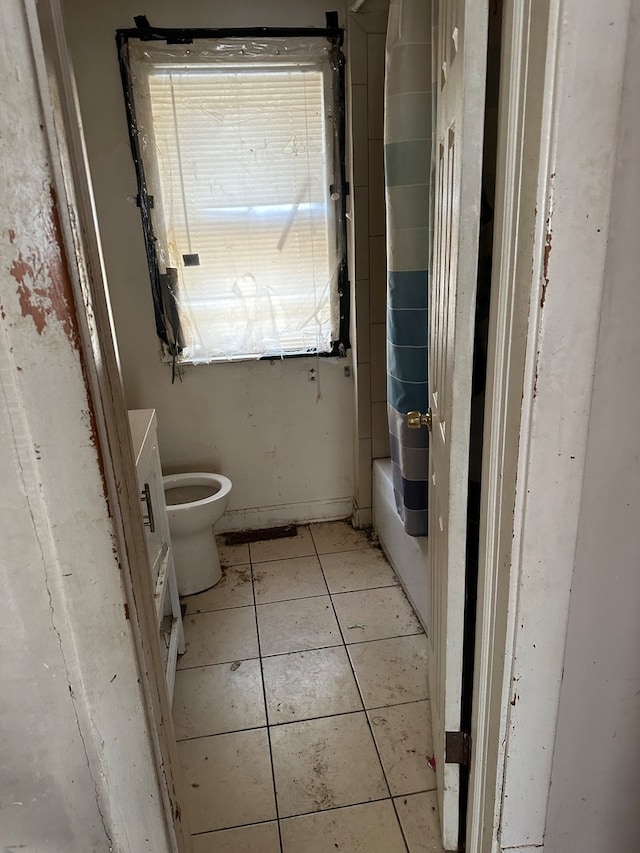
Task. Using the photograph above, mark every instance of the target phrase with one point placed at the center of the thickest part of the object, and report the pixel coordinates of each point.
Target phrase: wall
(366, 37)
(77, 768)
(595, 786)
(285, 441)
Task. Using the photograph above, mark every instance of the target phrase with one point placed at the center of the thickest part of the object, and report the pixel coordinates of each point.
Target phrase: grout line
(338, 645)
(395, 705)
(215, 663)
(318, 717)
(300, 651)
(316, 812)
(341, 713)
(266, 713)
(320, 594)
(275, 725)
(293, 598)
(215, 610)
(257, 563)
(366, 716)
(188, 615)
(351, 805)
(366, 589)
(297, 598)
(378, 639)
(283, 559)
(243, 825)
(304, 651)
(317, 595)
(254, 567)
(360, 803)
(217, 734)
(221, 663)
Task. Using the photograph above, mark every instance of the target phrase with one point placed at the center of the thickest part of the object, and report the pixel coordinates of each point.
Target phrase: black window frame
(165, 310)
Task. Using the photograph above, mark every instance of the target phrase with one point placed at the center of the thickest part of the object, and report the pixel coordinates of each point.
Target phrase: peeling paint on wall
(547, 245)
(547, 252)
(45, 294)
(44, 287)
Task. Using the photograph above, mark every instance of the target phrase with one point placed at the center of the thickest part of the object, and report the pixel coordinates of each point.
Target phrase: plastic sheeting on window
(239, 151)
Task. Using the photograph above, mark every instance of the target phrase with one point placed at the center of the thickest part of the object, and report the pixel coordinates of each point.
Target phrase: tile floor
(301, 706)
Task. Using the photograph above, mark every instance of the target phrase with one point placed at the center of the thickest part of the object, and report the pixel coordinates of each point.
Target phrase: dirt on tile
(243, 537)
(242, 577)
(321, 794)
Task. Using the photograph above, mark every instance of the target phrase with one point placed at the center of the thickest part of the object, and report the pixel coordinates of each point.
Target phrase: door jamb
(507, 357)
(559, 57)
(81, 239)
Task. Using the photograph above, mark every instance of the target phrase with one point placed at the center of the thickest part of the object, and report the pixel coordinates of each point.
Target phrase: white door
(460, 84)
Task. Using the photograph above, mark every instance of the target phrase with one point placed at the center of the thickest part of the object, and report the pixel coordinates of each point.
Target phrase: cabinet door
(153, 506)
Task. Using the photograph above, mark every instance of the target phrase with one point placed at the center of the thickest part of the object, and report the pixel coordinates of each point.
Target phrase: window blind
(241, 176)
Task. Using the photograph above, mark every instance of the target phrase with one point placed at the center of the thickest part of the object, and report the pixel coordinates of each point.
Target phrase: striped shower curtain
(407, 146)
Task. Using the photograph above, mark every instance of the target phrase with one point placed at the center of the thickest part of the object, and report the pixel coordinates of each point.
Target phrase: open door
(460, 92)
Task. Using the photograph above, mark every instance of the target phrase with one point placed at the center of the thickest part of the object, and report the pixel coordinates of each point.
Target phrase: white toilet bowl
(195, 503)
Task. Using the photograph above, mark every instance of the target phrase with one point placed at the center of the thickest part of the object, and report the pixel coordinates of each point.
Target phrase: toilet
(195, 503)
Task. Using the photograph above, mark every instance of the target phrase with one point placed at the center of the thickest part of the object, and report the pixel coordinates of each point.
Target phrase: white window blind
(239, 156)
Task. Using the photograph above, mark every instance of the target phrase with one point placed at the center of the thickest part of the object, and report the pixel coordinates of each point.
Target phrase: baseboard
(255, 518)
(361, 517)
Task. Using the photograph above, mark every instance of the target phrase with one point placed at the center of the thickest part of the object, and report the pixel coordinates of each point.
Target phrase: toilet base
(197, 561)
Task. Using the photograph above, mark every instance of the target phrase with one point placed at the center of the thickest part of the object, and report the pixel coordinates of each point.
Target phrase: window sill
(338, 353)
(243, 359)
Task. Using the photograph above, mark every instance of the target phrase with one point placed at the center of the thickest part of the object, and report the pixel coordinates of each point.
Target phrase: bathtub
(407, 554)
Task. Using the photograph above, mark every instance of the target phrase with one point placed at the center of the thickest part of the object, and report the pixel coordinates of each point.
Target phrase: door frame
(555, 62)
(559, 59)
(71, 183)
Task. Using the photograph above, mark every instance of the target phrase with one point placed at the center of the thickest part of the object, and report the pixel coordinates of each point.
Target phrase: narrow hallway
(301, 704)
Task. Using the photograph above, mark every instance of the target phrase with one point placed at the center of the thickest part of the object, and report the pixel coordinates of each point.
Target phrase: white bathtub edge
(408, 555)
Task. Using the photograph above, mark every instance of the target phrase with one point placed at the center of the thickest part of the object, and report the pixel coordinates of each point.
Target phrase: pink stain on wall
(44, 286)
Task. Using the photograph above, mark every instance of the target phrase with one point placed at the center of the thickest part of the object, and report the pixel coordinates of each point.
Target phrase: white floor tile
(232, 555)
(232, 590)
(258, 838)
(309, 684)
(403, 737)
(295, 626)
(332, 792)
(369, 828)
(330, 536)
(227, 779)
(373, 614)
(418, 815)
(300, 545)
(319, 764)
(391, 671)
(281, 580)
(218, 637)
(210, 700)
(347, 571)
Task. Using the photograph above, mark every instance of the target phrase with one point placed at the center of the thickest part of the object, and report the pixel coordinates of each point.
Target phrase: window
(238, 144)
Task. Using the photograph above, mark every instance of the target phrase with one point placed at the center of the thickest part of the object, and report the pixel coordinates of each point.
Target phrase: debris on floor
(243, 537)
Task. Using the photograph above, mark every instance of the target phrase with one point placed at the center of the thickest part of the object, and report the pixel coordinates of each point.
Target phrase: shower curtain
(408, 177)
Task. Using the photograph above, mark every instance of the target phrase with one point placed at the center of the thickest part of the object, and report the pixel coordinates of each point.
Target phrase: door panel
(461, 67)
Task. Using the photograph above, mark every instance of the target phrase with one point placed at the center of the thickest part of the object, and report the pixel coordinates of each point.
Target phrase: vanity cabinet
(143, 427)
